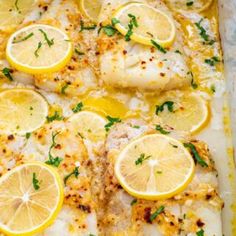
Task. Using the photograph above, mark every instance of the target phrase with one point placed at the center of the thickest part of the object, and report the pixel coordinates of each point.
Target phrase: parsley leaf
(75, 172)
(111, 122)
(78, 107)
(158, 46)
(195, 154)
(35, 182)
(141, 159)
(79, 52)
(212, 61)
(56, 116)
(7, 73)
(23, 39)
(156, 213)
(37, 49)
(193, 83)
(114, 21)
(109, 30)
(63, 89)
(161, 130)
(53, 161)
(50, 42)
(17, 7)
(200, 232)
(169, 104)
(133, 23)
(27, 135)
(134, 201)
(189, 3)
(83, 27)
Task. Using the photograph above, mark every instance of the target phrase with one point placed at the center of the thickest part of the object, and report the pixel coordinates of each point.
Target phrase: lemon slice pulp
(91, 9)
(146, 17)
(154, 167)
(22, 111)
(190, 111)
(39, 49)
(189, 5)
(26, 206)
(12, 12)
(89, 125)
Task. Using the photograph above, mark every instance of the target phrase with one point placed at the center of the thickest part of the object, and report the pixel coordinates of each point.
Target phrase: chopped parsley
(161, 130)
(37, 49)
(134, 201)
(78, 107)
(174, 146)
(109, 30)
(213, 88)
(111, 122)
(196, 155)
(168, 104)
(133, 23)
(189, 3)
(178, 51)
(83, 27)
(158, 46)
(156, 213)
(92, 235)
(136, 127)
(55, 116)
(23, 39)
(141, 159)
(17, 7)
(35, 182)
(50, 42)
(7, 73)
(159, 172)
(212, 61)
(193, 83)
(200, 232)
(27, 135)
(64, 87)
(79, 52)
(204, 34)
(114, 21)
(75, 172)
(53, 161)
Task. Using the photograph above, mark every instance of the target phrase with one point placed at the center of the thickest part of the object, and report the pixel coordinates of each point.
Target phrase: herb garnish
(200, 232)
(114, 21)
(109, 30)
(213, 88)
(53, 161)
(168, 104)
(178, 51)
(56, 116)
(141, 159)
(161, 130)
(196, 155)
(23, 39)
(75, 172)
(134, 201)
(50, 42)
(133, 23)
(37, 49)
(7, 73)
(158, 46)
(35, 182)
(212, 61)
(78, 107)
(27, 135)
(189, 3)
(17, 7)
(193, 83)
(111, 122)
(79, 52)
(156, 213)
(64, 87)
(82, 27)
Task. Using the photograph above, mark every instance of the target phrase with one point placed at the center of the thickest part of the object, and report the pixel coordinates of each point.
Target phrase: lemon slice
(89, 125)
(154, 167)
(22, 111)
(31, 196)
(12, 12)
(147, 17)
(190, 111)
(91, 9)
(39, 49)
(189, 5)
